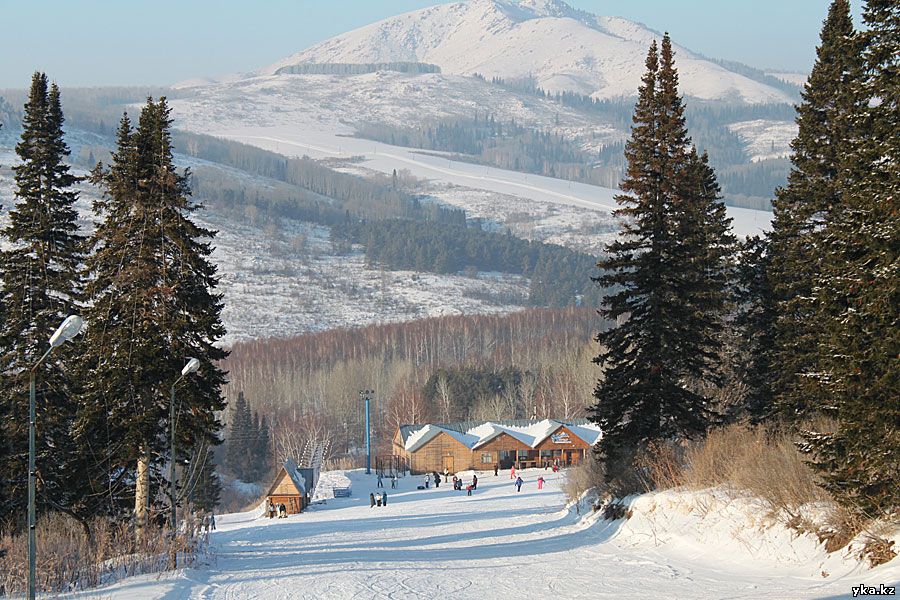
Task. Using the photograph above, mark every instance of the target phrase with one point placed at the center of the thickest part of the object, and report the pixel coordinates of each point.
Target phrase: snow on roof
(290, 467)
(475, 434)
(419, 438)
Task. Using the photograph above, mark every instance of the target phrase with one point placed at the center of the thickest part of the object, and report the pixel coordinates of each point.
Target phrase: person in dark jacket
(519, 482)
(437, 479)
(384, 498)
(496, 470)
(474, 482)
(372, 500)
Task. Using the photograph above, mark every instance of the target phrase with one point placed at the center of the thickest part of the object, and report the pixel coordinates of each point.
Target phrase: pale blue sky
(130, 42)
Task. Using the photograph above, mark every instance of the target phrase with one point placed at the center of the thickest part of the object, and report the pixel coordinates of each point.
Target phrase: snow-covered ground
(439, 543)
(766, 139)
(285, 279)
(318, 142)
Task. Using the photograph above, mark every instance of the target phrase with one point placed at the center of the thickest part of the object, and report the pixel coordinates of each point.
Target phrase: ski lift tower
(367, 396)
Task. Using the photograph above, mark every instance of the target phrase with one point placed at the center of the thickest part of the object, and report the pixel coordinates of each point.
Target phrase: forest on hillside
(533, 362)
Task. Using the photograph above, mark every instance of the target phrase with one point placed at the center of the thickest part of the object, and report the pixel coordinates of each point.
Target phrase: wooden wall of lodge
(434, 454)
(285, 492)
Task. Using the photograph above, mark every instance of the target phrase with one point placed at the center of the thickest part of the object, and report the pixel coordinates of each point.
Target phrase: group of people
(380, 482)
(272, 510)
(377, 499)
(458, 484)
(519, 482)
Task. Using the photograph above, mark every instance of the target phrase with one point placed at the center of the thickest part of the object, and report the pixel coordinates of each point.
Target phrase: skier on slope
(540, 481)
(519, 482)
(372, 500)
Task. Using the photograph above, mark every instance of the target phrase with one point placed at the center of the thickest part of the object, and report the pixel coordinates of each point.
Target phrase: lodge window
(487, 458)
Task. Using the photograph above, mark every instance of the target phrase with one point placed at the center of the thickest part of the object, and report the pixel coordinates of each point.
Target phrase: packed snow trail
(439, 543)
(296, 141)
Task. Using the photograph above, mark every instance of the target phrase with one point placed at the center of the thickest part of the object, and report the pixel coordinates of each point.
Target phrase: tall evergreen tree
(152, 298)
(205, 486)
(755, 325)
(40, 287)
(668, 270)
(241, 439)
(857, 293)
(801, 209)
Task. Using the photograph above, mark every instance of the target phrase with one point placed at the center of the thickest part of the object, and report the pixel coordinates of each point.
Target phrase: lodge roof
(294, 475)
(474, 434)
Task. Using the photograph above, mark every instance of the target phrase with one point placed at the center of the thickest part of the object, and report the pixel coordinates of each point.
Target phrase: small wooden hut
(289, 488)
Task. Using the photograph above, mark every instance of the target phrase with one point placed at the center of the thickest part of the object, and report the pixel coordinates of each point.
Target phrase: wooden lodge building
(480, 445)
(292, 487)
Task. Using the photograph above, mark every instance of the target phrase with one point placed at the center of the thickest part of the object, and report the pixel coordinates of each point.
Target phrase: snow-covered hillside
(562, 48)
(342, 104)
(766, 139)
(497, 543)
(285, 279)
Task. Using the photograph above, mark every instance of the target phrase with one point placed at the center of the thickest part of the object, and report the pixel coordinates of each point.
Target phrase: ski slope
(296, 141)
(439, 543)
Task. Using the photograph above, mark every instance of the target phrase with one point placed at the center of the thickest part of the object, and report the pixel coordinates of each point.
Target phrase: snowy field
(439, 543)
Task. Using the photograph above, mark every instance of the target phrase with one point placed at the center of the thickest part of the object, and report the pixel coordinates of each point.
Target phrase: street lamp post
(66, 331)
(191, 367)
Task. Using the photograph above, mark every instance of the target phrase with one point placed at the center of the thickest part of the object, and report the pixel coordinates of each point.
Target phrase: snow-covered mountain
(560, 47)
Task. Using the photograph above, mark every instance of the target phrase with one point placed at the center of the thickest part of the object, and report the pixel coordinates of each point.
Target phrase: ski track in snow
(438, 543)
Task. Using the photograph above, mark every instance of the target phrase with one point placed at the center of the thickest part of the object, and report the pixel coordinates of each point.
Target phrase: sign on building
(560, 438)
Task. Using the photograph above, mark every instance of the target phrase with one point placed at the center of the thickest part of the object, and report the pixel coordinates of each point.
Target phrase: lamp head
(192, 366)
(65, 332)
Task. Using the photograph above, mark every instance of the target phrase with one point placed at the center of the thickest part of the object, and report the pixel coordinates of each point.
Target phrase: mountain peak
(531, 9)
(549, 41)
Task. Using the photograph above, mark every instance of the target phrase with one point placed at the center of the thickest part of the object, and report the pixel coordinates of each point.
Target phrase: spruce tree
(152, 297)
(40, 288)
(755, 325)
(241, 439)
(857, 294)
(669, 270)
(800, 210)
(205, 486)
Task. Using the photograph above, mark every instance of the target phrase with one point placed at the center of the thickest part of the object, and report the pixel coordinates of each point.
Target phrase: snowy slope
(499, 544)
(562, 48)
(272, 288)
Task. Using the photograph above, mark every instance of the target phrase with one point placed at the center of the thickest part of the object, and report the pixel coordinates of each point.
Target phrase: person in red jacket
(512, 472)
(540, 481)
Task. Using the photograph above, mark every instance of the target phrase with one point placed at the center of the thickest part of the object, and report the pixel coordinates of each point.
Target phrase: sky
(159, 42)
